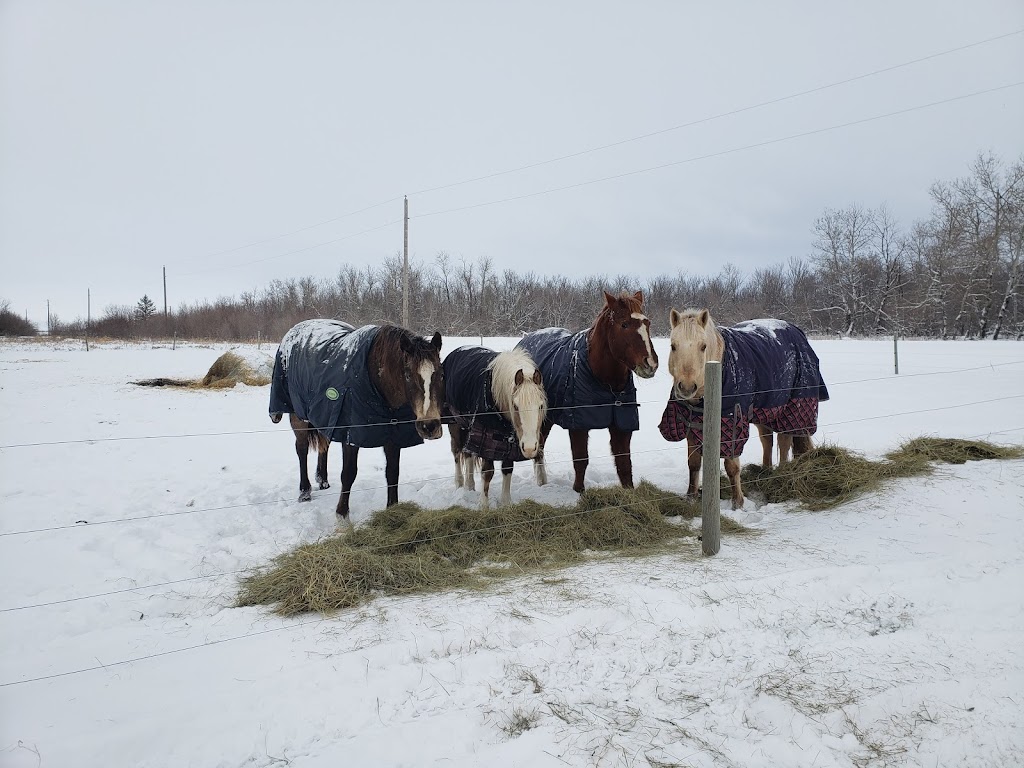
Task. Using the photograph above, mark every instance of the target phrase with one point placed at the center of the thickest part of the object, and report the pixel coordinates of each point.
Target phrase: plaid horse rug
(770, 376)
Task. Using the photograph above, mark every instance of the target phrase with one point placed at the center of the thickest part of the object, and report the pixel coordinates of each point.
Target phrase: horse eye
(673, 347)
(703, 347)
(625, 325)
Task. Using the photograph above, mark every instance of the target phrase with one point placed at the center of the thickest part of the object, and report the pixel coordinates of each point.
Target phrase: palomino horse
(369, 387)
(770, 377)
(495, 408)
(589, 382)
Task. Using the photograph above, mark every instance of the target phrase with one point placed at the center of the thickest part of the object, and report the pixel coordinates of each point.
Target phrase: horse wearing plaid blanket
(495, 406)
(770, 377)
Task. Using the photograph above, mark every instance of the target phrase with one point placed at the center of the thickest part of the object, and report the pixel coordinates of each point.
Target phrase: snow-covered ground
(888, 631)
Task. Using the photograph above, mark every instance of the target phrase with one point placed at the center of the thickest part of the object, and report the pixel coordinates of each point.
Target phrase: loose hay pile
(227, 370)
(405, 549)
(829, 475)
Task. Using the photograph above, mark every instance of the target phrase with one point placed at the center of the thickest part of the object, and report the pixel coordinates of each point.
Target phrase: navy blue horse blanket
(576, 399)
(469, 402)
(321, 374)
(770, 376)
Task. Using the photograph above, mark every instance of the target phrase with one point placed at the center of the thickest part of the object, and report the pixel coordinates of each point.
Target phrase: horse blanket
(470, 404)
(321, 374)
(770, 376)
(576, 399)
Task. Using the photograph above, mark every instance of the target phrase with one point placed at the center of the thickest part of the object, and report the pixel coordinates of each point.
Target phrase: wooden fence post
(710, 505)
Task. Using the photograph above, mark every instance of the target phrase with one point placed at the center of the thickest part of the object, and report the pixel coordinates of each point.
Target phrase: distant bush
(13, 324)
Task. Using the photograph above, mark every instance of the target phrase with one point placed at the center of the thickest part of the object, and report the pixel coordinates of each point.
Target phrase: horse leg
(323, 445)
(506, 482)
(302, 430)
(801, 445)
(540, 472)
(620, 450)
(392, 453)
(767, 444)
(455, 433)
(469, 462)
(693, 462)
(349, 467)
(487, 473)
(578, 439)
(732, 469)
(785, 446)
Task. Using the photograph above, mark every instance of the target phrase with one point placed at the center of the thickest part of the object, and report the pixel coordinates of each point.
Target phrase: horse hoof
(345, 524)
(305, 496)
(324, 485)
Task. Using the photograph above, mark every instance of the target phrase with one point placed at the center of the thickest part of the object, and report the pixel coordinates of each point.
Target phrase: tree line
(954, 274)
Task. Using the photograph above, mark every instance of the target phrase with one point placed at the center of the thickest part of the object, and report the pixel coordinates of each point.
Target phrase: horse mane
(628, 299)
(503, 370)
(390, 338)
(709, 331)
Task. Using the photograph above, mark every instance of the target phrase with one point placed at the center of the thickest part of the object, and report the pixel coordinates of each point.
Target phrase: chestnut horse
(588, 377)
(770, 377)
(495, 408)
(375, 386)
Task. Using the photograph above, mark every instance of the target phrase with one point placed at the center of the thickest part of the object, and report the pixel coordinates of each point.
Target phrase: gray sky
(135, 134)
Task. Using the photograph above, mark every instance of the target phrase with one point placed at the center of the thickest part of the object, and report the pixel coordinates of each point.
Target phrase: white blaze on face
(644, 334)
(427, 373)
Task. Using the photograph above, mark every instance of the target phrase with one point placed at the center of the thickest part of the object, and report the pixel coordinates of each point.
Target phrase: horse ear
(674, 318)
(520, 378)
(703, 318)
(537, 377)
(435, 341)
(609, 299)
(406, 344)
(639, 296)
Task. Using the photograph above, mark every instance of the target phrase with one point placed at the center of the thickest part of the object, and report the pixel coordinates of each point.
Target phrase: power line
(722, 153)
(719, 116)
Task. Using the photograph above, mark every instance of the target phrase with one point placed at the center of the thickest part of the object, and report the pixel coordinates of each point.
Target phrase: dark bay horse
(588, 377)
(770, 377)
(369, 387)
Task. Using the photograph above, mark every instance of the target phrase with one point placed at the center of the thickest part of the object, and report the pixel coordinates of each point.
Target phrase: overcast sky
(138, 134)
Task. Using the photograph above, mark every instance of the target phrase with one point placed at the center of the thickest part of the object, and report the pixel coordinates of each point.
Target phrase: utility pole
(47, 317)
(405, 269)
(88, 315)
(165, 295)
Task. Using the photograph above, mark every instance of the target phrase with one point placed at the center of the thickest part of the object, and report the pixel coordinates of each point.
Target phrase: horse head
(694, 341)
(424, 381)
(628, 331)
(518, 389)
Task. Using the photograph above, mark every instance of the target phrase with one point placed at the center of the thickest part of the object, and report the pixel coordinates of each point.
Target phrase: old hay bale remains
(229, 369)
(827, 476)
(406, 550)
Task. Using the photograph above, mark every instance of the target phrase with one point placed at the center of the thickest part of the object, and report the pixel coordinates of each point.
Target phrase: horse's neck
(606, 368)
(385, 359)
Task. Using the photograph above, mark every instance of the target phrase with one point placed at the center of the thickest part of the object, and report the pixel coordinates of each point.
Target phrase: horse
(369, 387)
(589, 382)
(495, 406)
(770, 377)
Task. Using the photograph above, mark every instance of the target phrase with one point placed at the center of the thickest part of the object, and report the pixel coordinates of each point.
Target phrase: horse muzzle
(686, 393)
(429, 429)
(646, 369)
(529, 451)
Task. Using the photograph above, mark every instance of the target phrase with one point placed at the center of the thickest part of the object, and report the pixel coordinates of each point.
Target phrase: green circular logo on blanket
(332, 393)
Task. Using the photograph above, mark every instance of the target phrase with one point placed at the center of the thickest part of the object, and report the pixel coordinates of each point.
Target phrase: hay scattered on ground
(829, 475)
(405, 549)
(227, 370)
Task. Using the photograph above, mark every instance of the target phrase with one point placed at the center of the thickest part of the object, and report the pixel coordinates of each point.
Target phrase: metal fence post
(710, 506)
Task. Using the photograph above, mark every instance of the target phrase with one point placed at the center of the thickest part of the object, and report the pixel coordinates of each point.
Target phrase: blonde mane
(688, 324)
(503, 369)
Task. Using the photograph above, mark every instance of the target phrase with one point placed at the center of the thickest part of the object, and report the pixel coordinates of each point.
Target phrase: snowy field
(886, 632)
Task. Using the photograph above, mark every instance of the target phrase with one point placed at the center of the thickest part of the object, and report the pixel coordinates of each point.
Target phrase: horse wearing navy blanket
(369, 387)
(770, 377)
(495, 406)
(588, 377)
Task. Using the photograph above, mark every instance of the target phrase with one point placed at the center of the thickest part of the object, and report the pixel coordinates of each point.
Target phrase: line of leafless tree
(955, 274)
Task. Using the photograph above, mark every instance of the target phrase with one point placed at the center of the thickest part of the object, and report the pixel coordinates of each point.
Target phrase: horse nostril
(432, 427)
